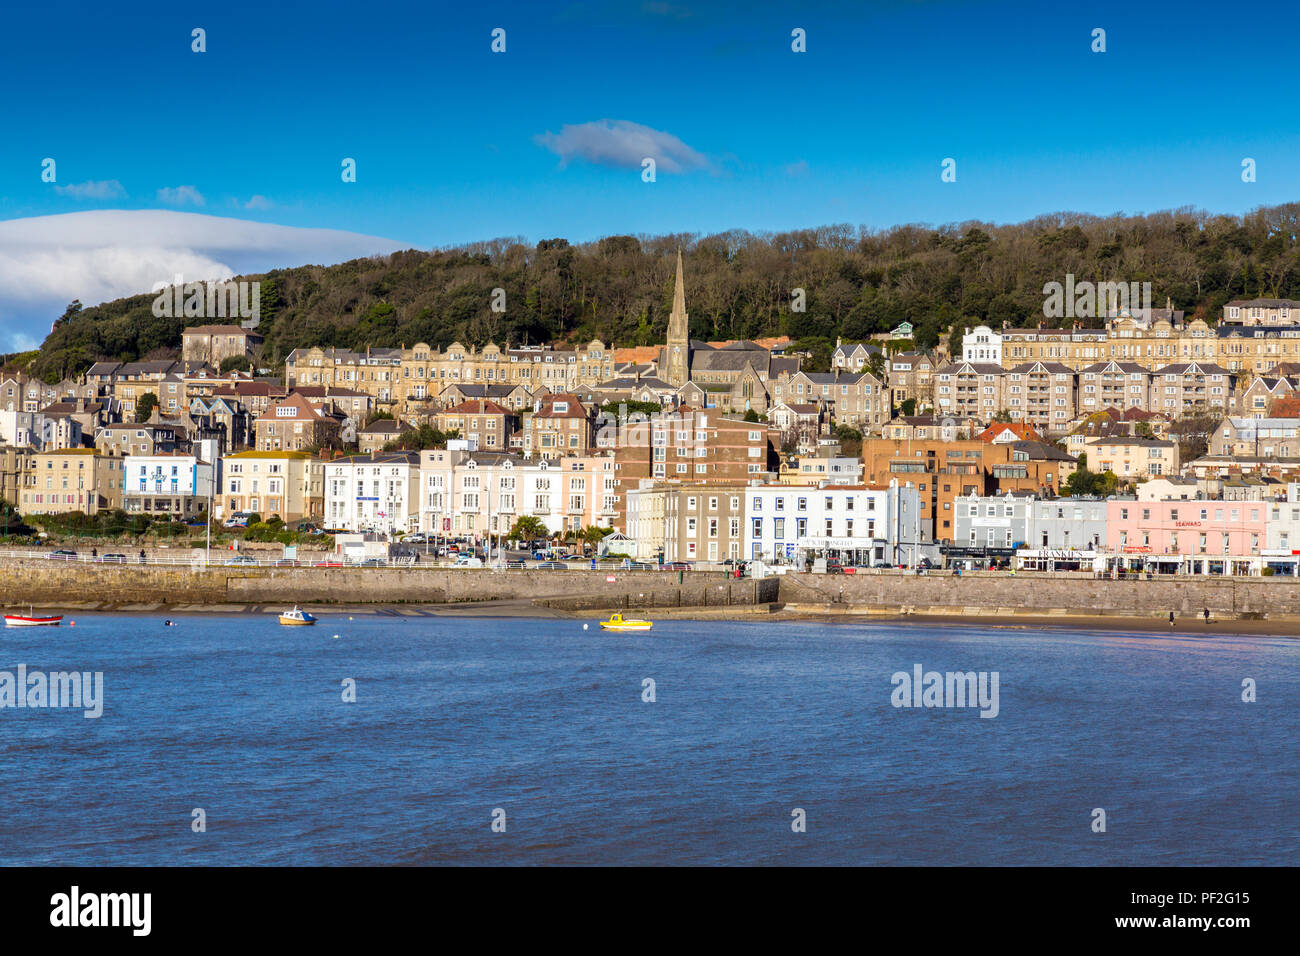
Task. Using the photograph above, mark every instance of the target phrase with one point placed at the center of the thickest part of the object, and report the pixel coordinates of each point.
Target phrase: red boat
(33, 620)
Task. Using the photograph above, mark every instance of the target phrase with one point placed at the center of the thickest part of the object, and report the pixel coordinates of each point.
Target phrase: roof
(385, 426)
(218, 330)
(304, 410)
(1133, 440)
(548, 410)
(1041, 451)
(379, 458)
(270, 454)
(477, 406)
(1264, 303)
(1021, 430)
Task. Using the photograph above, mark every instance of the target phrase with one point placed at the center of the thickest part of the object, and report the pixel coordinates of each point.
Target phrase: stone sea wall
(49, 583)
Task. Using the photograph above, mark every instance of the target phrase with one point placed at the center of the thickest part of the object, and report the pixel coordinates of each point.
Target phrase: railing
(198, 558)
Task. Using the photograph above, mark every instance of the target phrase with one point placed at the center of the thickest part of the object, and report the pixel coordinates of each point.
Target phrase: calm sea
(457, 718)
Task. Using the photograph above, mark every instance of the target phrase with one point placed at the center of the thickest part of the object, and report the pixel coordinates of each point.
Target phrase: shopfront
(1053, 559)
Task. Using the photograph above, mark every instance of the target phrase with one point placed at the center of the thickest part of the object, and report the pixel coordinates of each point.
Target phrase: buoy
(584, 627)
(336, 637)
(72, 624)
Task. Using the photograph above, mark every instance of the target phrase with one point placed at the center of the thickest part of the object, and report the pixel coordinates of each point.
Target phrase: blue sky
(455, 143)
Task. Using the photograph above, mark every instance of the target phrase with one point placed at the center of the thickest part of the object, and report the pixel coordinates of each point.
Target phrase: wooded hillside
(739, 285)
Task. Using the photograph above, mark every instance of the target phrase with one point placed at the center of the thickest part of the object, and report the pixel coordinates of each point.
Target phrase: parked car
(286, 563)
(677, 566)
(112, 559)
(553, 565)
(241, 560)
(328, 563)
(466, 561)
(373, 563)
(62, 554)
(238, 520)
(883, 564)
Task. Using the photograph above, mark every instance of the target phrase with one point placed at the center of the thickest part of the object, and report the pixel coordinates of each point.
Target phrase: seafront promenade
(977, 595)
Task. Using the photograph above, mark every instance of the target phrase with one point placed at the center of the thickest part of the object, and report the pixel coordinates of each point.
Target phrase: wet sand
(830, 615)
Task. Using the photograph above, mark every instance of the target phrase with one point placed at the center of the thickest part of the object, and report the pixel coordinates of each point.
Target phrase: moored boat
(617, 622)
(31, 619)
(296, 618)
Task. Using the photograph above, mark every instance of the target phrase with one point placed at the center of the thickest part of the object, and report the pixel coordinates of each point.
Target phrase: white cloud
(181, 196)
(47, 261)
(104, 189)
(623, 145)
(798, 168)
(258, 202)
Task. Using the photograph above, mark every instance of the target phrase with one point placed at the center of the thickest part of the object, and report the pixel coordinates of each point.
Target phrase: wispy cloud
(105, 189)
(181, 196)
(258, 202)
(798, 168)
(622, 144)
(47, 261)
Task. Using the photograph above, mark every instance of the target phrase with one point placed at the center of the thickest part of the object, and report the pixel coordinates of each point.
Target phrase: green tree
(144, 408)
(528, 528)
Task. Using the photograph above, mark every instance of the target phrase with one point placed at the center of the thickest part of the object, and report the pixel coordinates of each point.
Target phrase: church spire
(679, 290)
(677, 355)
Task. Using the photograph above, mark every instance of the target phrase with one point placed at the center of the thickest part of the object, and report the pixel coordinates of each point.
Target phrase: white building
(167, 483)
(376, 492)
(982, 344)
(856, 524)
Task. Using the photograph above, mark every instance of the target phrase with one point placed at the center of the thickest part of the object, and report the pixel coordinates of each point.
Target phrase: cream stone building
(73, 480)
(285, 483)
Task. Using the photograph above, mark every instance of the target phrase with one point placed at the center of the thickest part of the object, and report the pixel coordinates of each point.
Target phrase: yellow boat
(296, 618)
(617, 622)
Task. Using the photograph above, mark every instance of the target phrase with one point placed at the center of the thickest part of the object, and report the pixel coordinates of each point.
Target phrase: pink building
(1191, 536)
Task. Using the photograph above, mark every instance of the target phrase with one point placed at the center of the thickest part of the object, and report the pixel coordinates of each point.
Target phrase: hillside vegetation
(739, 285)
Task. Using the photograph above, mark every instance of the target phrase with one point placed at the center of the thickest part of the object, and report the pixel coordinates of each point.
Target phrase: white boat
(31, 619)
(296, 618)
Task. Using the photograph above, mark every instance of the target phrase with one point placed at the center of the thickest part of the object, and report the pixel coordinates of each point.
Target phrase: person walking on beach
(1171, 618)
(1206, 612)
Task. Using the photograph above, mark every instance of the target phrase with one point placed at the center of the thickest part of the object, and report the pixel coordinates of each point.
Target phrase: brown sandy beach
(999, 618)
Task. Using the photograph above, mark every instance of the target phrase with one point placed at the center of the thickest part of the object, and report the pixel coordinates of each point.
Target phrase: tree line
(740, 285)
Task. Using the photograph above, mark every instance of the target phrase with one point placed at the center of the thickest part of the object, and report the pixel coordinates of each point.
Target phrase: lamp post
(207, 554)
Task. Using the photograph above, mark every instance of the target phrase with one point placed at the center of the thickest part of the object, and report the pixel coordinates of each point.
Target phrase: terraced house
(487, 425)
(1042, 394)
(405, 377)
(73, 480)
(266, 483)
(294, 423)
(560, 425)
